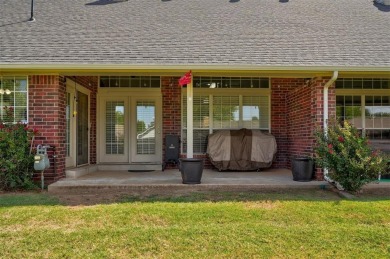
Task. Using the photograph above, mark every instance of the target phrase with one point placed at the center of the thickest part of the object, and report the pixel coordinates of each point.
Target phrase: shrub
(348, 156)
(16, 158)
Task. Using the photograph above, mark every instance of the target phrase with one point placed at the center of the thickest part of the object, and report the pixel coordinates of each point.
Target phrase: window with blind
(368, 111)
(14, 94)
(225, 103)
(215, 112)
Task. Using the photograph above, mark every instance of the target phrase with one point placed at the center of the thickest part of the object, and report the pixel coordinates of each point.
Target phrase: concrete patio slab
(170, 181)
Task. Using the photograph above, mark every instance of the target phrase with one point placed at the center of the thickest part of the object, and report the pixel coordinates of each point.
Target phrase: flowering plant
(348, 156)
(16, 158)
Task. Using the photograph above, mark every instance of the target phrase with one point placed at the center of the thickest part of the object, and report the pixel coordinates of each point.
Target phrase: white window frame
(362, 94)
(13, 90)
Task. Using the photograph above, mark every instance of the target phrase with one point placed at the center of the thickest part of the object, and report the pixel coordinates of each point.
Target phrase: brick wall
(171, 110)
(301, 120)
(280, 88)
(171, 99)
(296, 112)
(47, 114)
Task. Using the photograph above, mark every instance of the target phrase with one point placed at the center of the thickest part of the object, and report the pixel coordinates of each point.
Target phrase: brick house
(99, 78)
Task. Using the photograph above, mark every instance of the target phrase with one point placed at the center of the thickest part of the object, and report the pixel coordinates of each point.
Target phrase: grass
(222, 225)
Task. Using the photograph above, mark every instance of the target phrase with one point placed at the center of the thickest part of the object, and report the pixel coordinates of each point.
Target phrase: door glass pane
(82, 128)
(146, 132)
(115, 127)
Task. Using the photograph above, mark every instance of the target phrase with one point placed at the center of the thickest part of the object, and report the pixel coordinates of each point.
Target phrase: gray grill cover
(241, 150)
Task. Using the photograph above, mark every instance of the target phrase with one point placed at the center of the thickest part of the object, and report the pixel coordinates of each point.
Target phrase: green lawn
(302, 225)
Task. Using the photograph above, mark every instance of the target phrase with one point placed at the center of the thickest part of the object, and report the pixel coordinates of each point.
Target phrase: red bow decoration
(186, 79)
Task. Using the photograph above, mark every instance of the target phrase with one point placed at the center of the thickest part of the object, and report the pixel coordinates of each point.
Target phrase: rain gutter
(182, 67)
(326, 112)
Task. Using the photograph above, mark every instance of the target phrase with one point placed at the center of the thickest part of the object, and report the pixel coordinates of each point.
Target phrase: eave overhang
(197, 69)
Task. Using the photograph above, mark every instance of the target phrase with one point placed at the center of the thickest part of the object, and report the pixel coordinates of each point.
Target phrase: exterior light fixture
(6, 91)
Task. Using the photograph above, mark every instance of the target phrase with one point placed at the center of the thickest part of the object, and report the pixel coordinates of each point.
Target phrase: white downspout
(326, 111)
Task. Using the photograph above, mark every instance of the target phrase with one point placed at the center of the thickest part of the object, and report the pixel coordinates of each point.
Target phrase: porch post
(190, 126)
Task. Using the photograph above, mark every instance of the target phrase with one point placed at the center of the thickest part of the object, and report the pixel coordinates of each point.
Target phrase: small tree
(348, 156)
(16, 158)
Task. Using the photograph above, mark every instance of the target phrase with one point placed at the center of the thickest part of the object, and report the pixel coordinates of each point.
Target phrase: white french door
(130, 129)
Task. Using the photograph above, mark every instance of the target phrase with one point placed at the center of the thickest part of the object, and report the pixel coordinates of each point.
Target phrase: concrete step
(159, 189)
(80, 171)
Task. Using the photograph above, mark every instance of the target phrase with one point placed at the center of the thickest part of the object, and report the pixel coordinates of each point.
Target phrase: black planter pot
(191, 170)
(302, 169)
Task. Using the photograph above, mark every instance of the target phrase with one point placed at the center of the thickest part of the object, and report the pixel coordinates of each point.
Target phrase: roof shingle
(343, 33)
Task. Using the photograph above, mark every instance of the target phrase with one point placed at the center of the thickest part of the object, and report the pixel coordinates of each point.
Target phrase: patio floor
(169, 181)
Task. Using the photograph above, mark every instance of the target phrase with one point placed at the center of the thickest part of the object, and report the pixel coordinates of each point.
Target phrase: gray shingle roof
(344, 33)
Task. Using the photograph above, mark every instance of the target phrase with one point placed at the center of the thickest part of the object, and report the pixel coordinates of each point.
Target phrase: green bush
(16, 158)
(348, 156)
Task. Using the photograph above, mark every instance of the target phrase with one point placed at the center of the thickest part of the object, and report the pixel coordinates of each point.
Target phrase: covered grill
(241, 150)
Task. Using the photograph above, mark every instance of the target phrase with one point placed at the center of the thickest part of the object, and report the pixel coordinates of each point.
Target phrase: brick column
(301, 120)
(171, 101)
(171, 110)
(47, 102)
(280, 88)
(296, 113)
